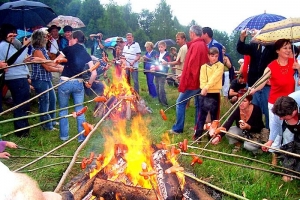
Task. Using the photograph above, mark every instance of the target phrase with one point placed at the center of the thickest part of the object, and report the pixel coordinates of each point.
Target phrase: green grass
(239, 180)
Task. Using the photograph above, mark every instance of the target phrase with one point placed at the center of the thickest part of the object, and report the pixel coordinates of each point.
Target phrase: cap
(53, 27)
(67, 28)
(119, 39)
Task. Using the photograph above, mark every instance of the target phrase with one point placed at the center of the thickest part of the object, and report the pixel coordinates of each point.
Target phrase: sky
(223, 15)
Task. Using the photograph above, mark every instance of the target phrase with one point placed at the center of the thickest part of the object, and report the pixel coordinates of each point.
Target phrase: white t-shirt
(130, 52)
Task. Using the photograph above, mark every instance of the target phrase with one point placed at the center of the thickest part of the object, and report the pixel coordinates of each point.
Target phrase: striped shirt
(38, 71)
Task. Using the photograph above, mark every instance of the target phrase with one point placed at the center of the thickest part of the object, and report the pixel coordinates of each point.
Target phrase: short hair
(213, 51)
(284, 106)
(38, 38)
(163, 43)
(209, 31)
(79, 35)
(295, 50)
(173, 49)
(196, 29)
(280, 43)
(149, 44)
(181, 34)
(129, 34)
(5, 29)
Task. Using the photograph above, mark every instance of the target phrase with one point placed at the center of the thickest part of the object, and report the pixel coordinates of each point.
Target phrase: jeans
(135, 78)
(151, 86)
(76, 89)
(19, 89)
(47, 102)
(98, 88)
(260, 98)
(160, 86)
(180, 109)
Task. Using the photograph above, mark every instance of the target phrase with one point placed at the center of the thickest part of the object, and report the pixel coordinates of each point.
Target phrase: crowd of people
(201, 69)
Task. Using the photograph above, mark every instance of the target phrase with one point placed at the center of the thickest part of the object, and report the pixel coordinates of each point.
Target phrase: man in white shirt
(132, 54)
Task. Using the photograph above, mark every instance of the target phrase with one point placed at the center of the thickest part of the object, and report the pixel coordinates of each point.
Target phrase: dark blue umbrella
(169, 42)
(258, 21)
(26, 14)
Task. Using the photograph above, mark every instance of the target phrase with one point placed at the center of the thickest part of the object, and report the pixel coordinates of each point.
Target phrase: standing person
(260, 57)
(16, 78)
(67, 36)
(160, 79)
(56, 42)
(189, 84)
(149, 59)
(178, 63)
(210, 84)
(132, 54)
(287, 109)
(41, 78)
(98, 45)
(207, 36)
(281, 72)
(2, 71)
(74, 86)
(228, 75)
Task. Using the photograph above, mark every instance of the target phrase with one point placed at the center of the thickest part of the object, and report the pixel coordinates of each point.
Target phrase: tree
(91, 9)
(145, 20)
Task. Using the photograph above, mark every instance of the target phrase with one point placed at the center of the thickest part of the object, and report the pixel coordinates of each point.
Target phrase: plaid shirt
(38, 71)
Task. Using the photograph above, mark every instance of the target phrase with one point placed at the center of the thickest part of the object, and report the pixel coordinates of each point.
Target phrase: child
(162, 70)
(210, 85)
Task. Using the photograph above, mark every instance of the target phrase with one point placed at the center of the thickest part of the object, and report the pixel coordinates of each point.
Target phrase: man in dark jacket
(260, 57)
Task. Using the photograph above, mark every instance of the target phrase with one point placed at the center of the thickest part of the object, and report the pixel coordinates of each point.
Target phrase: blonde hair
(149, 44)
(213, 51)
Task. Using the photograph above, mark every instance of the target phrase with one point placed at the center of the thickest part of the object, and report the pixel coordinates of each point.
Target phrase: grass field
(253, 184)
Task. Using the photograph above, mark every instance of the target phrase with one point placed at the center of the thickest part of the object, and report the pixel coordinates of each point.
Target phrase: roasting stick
(46, 166)
(37, 62)
(213, 186)
(74, 114)
(52, 111)
(243, 165)
(245, 139)
(82, 145)
(25, 102)
(244, 157)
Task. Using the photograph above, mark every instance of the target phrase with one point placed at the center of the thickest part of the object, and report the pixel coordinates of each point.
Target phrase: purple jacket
(2, 146)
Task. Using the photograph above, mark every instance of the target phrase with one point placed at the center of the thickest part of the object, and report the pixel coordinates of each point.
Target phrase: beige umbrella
(63, 21)
(284, 29)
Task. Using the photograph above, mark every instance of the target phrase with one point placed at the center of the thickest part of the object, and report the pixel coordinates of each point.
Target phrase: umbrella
(110, 42)
(284, 29)
(258, 21)
(63, 21)
(26, 14)
(169, 42)
(22, 34)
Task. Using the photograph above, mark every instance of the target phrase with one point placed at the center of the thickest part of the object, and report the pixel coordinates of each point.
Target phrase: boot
(274, 159)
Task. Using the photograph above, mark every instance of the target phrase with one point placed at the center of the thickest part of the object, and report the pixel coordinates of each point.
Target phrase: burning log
(110, 190)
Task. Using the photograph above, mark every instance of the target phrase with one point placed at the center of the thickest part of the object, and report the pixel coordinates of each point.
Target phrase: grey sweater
(14, 72)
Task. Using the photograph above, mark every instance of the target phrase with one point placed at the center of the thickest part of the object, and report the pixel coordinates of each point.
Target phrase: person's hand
(204, 92)
(216, 140)
(87, 84)
(3, 65)
(244, 126)
(252, 90)
(164, 62)
(4, 155)
(11, 145)
(152, 68)
(268, 144)
(243, 34)
(26, 41)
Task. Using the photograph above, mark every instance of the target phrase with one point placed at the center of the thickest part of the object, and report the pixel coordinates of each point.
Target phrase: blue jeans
(76, 89)
(47, 102)
(135, 78)
(260, 98)
(180, 109)
(19, 89)
(160, 82)
(98, 88)
(150, 83)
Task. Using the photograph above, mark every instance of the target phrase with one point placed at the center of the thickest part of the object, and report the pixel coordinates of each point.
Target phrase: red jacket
(196, 56)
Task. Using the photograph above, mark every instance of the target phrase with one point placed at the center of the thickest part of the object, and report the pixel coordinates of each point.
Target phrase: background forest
(115, 20)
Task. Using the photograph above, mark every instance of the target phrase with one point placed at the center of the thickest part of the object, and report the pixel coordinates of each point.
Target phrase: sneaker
(173, 132)
(53, 129)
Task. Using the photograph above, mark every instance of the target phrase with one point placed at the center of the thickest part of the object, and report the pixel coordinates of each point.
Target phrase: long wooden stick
(46, 154)
(245, 158)
(46, 166)
(59, 84)
(44, 113)
(242, 165)
(82, 145)
(262, 145)
(213, 186)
